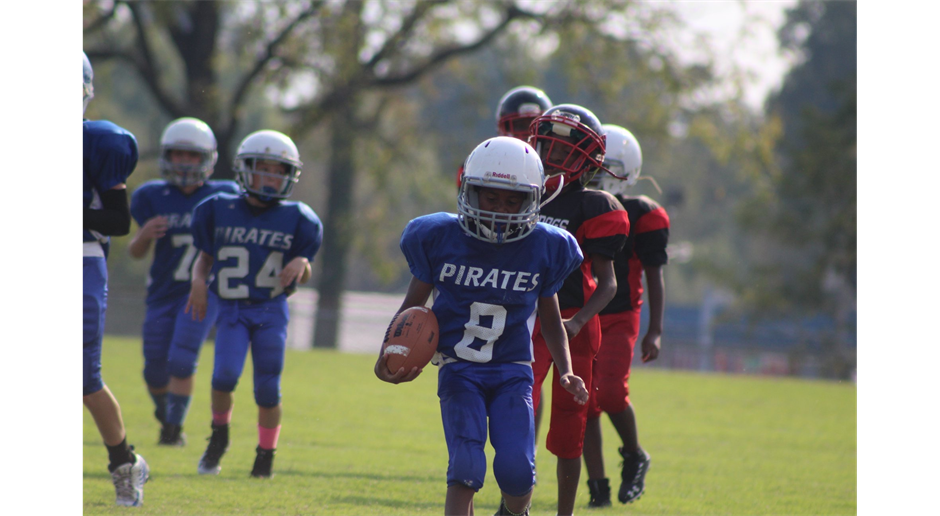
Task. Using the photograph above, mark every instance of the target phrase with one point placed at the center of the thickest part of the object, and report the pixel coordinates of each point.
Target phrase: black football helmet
(516, 110)
(571, 143)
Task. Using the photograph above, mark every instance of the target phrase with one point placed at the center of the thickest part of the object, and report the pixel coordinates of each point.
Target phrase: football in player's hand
(411, 339)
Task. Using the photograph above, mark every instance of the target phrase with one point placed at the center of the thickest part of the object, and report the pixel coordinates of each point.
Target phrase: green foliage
(804, 209)
(351, 444)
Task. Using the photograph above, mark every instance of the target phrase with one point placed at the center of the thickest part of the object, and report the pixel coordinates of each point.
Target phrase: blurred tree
(363, 48)
(182, 51)
(807, 204)
(803, 214)
(351, 77)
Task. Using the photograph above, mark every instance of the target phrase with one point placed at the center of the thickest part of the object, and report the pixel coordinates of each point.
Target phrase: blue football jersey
(486, 295)
(173, 254)
(109, 157)
(250, 247)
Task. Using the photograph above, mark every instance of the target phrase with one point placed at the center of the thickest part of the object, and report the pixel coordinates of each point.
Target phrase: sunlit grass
(353, 445)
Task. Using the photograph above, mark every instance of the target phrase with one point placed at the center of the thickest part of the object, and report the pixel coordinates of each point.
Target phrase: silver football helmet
(623, 161)
(193, 135)
(506, 163)
(267, 145)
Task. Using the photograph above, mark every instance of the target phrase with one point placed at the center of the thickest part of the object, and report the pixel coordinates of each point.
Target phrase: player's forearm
(417, 294)
(113, 218)
(656, 295)
(553, 330)
(605, 292)
(201, 268)
(139, 245)
(603, 267)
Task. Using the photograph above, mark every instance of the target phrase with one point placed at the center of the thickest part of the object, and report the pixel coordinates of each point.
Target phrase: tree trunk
(337, 228)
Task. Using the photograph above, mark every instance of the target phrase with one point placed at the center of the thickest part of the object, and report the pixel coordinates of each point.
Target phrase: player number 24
(267, 276)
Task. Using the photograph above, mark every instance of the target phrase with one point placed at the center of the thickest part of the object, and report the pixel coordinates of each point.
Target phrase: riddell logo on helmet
(500, 175)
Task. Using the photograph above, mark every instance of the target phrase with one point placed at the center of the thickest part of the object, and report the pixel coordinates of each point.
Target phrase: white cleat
(129, 482)
(208, 466)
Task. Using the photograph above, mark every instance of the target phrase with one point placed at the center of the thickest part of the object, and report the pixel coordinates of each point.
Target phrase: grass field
(353, 445)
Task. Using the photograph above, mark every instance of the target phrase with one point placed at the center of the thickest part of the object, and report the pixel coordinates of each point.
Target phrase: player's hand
(571, 328)
(382, 372)
(198, 302)
(293, 271)
(575, 385)
(650, 347)
(154, 228)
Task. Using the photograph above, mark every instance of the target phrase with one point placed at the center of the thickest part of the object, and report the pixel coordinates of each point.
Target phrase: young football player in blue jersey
(570, 140)
(163, 211)
(644, 253)
(256, 247)
(109, 156)
(491, 268)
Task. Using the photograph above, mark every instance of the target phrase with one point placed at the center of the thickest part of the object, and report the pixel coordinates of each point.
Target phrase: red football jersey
(646, 246)
(599, 224)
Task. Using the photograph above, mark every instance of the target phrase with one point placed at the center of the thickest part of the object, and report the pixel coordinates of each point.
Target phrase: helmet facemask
(567, 148)
(186, 174)
(263, 183)
(622, 161)
(492, 226)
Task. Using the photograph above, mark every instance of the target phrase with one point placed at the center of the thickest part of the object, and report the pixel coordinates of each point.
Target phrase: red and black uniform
(620, 320)
(600, 225)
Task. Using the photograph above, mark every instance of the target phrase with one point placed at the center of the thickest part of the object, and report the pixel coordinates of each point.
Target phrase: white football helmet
(88, 91)
(623, 161)
(187, 134)
(271, 146)
(506, 163)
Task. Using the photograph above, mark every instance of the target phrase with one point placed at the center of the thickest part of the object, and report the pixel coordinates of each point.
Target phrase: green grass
(350, 444)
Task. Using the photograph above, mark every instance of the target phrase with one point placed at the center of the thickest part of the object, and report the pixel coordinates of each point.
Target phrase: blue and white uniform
(172, 339)
(485, 300)
(250, 246)
(109, 157)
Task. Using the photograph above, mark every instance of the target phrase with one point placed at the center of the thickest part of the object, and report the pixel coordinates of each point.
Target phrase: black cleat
(218, 444)
(172, 435)
(600, 492)
(633, 475)
(263, 462)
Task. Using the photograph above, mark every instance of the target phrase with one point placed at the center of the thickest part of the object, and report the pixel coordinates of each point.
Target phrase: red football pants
(566, 430)
(609, 390)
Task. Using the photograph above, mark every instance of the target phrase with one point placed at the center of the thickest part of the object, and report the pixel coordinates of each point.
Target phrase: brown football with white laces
(411, 339)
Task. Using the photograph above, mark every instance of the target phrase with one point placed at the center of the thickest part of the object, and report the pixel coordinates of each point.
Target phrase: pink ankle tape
(267, 437)
(222, 418)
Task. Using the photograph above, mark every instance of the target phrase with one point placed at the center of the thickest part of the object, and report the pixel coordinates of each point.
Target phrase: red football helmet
(571, 143)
